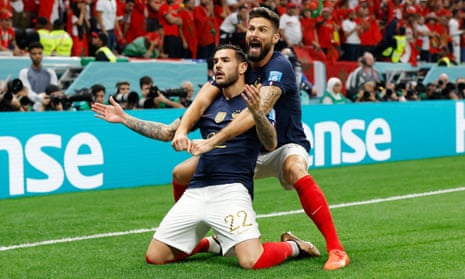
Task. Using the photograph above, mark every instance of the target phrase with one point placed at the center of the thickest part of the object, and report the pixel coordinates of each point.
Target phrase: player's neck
(233, 90)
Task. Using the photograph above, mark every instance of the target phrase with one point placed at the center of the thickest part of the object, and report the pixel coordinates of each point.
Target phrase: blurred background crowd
(363, 31)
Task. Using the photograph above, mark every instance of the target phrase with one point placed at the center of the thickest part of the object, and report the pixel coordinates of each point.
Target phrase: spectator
(45, 38)
(367, 93)
(148, 46)
(221, 10)
(435, 38)
(103, 52)
(460, 85)
(23, 19)
(290, 27)
(411, 92)
(204, 20)
(189, 87)
(16, 97)
(43, 103)
(395, 52)
(63, 43)
(308, 24)
(370, 33)
(98, 93)
(333, 93)
(79, 26)
(171, 22)
(389, 94)
(36, 78)
(107, 23)
(50, 9)
(189, 30)
(152, 97)
(234, 26)
(445, 58)
(326, 29)
(9, 102)
(365, 72)
(58, 100)
(423, 39)
(125, 97)
(153, 24)
(8, 45)
(303, 84)
(133, 23)
(350, 27)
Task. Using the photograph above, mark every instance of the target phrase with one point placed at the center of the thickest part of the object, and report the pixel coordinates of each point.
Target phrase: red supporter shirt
(169, 29)
(308, 30)
(6, 4)
(7, 36)
(45, 9)
(189, 31)
(325, 33)
(137, 26)
(205, 26)
(151, 13)
(372, 35)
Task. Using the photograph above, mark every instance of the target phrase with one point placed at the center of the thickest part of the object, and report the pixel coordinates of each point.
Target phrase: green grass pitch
(389, 226)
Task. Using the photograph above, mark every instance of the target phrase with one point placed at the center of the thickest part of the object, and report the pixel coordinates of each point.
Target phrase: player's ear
(276, 38)
(243, 67)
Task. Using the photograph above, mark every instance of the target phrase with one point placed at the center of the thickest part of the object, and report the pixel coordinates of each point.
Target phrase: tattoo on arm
(269, 97)
(154, 130)
(265, 131)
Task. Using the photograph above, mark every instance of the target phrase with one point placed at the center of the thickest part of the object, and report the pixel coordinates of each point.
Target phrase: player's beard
(226, 82)
(264, 50)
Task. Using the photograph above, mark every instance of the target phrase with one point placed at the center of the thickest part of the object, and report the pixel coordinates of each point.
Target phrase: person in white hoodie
(333, 93)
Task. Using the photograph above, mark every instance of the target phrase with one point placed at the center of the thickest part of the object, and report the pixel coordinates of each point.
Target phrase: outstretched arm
(115, 114)
(268, 97)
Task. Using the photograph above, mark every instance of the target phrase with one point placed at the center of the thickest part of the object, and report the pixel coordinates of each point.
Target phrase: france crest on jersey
(275, 76)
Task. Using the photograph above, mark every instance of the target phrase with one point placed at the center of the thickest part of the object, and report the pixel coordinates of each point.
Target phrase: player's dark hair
(267, 14)
(240, 54)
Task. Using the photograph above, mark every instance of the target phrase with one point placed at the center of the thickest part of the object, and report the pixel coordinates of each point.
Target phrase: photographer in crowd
(125, 97)
(56, 97)
(152, 97)
(187, 100)
(14, 96)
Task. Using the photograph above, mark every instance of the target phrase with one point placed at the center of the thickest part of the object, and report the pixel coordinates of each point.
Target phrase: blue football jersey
(288, 110)
(234, 160)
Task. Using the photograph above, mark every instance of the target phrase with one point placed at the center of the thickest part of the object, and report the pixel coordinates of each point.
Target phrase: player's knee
(247, 262)
(152, 258)
(181, 175)
(177, 175)
(294, 168)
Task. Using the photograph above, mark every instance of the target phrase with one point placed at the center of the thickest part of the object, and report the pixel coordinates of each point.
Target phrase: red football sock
(273, 253)
(316, 207)
(178, 190)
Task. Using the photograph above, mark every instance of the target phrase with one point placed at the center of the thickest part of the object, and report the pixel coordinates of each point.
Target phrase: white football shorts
(227, 209)
(270, 163)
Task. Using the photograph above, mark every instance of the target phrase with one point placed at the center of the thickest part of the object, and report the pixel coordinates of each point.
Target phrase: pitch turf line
(259, 216)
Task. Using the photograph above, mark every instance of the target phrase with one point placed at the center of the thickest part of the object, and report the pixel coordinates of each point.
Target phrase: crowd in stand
(397, 30)
(390, 30)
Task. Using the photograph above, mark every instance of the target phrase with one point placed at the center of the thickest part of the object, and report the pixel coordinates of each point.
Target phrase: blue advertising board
(57, 152)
